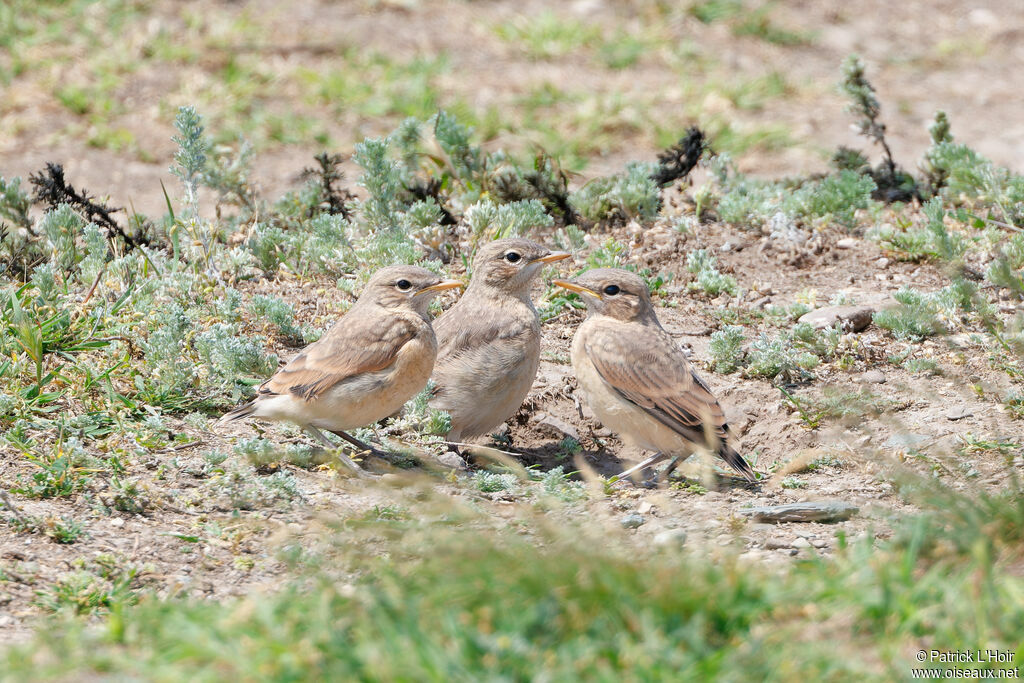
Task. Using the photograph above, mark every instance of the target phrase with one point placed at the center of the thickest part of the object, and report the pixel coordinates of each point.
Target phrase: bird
(489, 341)
(378, 356)
(636, 378)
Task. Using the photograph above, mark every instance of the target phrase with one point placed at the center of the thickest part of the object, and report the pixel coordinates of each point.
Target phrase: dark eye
(404, 285)
(512, 257)
(611, 290)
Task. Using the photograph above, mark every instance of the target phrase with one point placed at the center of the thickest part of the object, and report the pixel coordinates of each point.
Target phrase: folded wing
(651, 372)
(344, 352)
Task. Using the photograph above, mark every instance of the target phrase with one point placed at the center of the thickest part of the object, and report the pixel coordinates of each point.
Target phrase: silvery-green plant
(190, 158)
(495, 221)
(726, 349)
(626, 196)
(708, 279)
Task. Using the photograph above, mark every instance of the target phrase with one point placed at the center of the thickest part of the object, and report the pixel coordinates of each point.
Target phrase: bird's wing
(365, 344)
(646, 367)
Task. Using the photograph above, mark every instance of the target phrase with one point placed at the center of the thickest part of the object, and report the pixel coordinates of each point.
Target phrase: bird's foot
(345, 460)
(654, 479)
(645, 466)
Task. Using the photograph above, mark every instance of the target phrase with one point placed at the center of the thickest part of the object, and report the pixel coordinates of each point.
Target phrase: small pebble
(872, 377)
(801, 543)
(670, 538)
(391, 479)
(452, 460)
(632, 521)
(958, 413)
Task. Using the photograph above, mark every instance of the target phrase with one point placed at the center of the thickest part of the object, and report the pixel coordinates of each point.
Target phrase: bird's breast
(490, 351)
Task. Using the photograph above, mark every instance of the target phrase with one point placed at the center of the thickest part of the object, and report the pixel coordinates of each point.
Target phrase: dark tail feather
(736, 461)
(244, 410)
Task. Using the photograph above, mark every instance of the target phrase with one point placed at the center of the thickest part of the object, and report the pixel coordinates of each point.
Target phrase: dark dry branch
(552, 185)
(547, 182)
(678, 160)
(893, 184)
(18, 255)
(53, 190)
(334, 200)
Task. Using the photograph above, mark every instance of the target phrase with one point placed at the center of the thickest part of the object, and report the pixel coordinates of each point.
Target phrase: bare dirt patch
(923, 56)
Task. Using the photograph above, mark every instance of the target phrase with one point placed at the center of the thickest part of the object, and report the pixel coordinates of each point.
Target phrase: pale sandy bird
(637, 380)
(378, 356)
(489, 341)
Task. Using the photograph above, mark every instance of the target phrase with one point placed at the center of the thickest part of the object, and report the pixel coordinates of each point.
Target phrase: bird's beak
(573, 287)
(552, 257)
(440, 286)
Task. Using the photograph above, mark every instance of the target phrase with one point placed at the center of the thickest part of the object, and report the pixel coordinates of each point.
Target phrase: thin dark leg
(347, 461)
(653, 460)
(356, 442)
(672, 465)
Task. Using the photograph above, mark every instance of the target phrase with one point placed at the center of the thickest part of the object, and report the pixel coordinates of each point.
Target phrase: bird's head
(410, 287)
(511, 264)
(616, 293)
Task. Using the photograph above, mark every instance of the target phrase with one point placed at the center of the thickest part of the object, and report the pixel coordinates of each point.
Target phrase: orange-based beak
(445, 284)
(573, 287)
(552, 257)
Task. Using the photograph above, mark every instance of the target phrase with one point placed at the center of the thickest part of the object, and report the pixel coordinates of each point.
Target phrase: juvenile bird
(489, 341)
(377, 357)
(637, 380)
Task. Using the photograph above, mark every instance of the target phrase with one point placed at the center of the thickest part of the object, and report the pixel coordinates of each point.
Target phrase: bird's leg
(319, 436)
(672, 465)
(345, 460)
(654, 459)
(454, 442)
(357, 443)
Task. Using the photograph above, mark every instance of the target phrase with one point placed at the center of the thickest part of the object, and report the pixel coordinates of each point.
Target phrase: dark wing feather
(352, 347)
(647, 368)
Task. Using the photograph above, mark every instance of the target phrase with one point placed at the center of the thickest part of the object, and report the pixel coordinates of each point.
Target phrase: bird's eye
(512, 257)
(403, 285)
(611, 290)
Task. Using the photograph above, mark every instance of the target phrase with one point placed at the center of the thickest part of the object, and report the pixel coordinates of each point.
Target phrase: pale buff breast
(363, 399)
(631, 423)
(490, 384)
(483, 383)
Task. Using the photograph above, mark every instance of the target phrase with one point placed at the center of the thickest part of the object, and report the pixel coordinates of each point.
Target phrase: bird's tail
(242, 411)
(736, 461)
